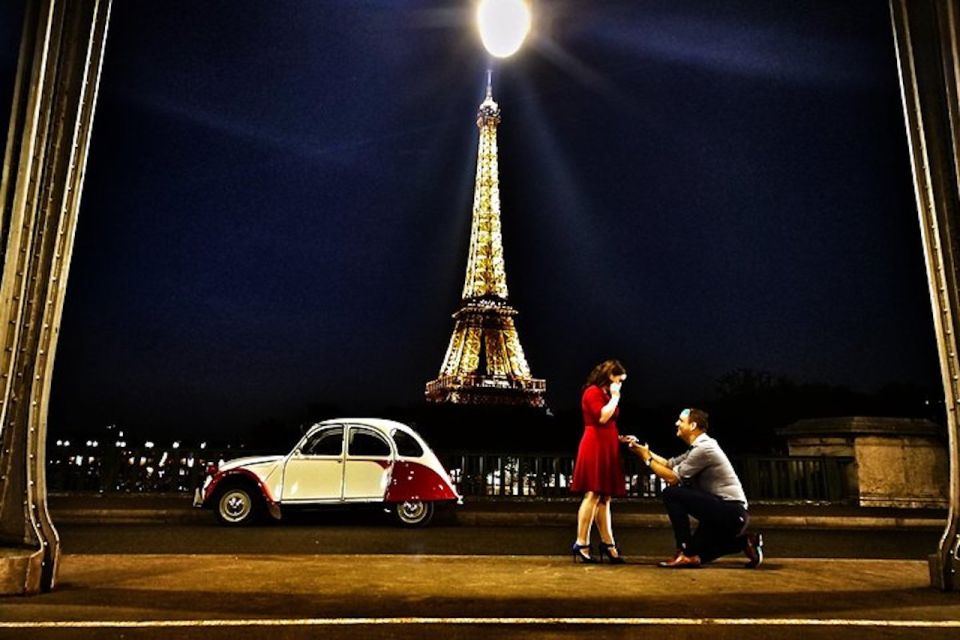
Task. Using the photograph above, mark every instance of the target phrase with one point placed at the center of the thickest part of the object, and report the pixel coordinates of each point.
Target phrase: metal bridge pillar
(43, 168)
(927, 45)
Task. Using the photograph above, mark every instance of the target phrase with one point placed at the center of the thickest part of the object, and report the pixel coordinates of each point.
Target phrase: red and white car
(337, 462)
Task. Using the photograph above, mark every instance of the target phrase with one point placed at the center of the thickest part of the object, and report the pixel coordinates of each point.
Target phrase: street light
(503, 25)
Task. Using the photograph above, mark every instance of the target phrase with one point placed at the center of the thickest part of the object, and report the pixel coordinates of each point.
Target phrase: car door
(314, 470)
(367, 465)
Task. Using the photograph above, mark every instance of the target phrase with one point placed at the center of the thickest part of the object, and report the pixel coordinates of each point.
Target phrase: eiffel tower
(484, 363)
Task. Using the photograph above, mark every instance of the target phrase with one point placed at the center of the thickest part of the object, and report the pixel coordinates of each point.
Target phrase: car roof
(377, 423)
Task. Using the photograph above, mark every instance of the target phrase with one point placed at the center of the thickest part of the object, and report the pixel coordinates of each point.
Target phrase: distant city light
(176, 444)
(203, 445)
(148, 444)
(66, 443)
(59, 443)
(503, 25)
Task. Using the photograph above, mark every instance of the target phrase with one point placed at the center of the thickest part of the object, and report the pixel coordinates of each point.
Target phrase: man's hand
(642, 450)
(628, 439)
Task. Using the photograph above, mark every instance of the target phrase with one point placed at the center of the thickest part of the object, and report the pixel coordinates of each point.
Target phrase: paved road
(416, 596)
(358, 577)
(176, 574)
(357, 535)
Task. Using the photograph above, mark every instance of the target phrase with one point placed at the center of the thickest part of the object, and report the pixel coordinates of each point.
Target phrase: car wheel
(236, 507)
(414, 513)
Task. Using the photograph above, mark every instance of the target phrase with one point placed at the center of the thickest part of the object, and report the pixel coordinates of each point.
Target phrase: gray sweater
(705, 466)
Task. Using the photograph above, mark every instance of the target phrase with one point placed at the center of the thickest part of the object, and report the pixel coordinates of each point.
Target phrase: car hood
(246, 462)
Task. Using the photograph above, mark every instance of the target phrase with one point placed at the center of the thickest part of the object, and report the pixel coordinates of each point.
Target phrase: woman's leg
(605, 526)
(585, 517)
(604, 519)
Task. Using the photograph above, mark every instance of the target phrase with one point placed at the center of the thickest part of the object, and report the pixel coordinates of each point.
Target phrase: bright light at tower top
(503, 25)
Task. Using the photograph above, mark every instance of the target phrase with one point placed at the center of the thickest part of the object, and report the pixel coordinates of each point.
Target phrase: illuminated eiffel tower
(485, 362)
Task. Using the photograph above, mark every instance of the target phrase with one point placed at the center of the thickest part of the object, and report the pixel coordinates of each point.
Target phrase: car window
(407, 444)
(328, 442)
(367, 443)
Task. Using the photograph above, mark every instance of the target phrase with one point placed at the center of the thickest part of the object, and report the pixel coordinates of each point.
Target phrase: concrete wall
(902, 472)
(898, 462)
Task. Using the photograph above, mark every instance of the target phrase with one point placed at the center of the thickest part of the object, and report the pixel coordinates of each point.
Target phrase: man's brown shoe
(682, 562)
(753, 549)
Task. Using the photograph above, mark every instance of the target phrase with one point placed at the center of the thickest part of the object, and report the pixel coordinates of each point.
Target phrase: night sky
(277, 205)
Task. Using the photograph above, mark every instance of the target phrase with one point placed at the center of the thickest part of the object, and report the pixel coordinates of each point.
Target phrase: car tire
(413, 513)
(237, 506)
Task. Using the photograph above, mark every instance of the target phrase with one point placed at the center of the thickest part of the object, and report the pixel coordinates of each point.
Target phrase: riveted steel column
(927, 41)
(44, 163)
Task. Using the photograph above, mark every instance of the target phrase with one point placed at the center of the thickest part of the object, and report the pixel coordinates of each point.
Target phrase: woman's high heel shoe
(605, 551)
(578, 555)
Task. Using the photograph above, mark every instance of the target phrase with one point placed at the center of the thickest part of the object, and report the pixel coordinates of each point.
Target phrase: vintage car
(337, 462)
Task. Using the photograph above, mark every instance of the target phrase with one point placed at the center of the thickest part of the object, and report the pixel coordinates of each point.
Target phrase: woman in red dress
(598, 473)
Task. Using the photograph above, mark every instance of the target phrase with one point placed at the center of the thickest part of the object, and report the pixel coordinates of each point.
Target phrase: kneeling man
(702, 484)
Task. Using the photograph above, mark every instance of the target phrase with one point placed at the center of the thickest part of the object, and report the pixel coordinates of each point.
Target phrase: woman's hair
(600, 376)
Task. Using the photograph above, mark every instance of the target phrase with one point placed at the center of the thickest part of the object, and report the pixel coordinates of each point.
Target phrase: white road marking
(304, 622)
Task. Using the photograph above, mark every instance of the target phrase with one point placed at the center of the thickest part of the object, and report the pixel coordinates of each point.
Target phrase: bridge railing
(133, 469)
(489, 475)
(541, 475)
(796, 478)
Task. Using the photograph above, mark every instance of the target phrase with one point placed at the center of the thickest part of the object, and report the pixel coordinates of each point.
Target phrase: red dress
(598, 467)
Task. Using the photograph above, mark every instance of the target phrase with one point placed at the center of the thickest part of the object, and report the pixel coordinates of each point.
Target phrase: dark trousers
(722, 525)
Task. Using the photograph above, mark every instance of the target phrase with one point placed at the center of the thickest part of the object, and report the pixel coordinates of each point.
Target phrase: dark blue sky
(278, 202)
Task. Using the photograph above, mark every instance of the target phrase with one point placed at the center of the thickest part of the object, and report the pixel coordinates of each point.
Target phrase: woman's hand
(615, 389)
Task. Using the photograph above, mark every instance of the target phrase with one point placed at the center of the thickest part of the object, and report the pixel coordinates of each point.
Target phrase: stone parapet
(898, 462)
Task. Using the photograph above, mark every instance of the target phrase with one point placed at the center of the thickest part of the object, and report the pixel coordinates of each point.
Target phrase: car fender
(415, 481)
(273, 506)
